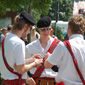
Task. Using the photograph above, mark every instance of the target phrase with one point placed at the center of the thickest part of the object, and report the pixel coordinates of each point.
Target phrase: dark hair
(9, 27)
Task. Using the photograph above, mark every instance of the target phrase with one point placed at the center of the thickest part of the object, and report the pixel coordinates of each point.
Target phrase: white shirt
(62, 58)
(14, 49)
(35, 47)
(2, 37)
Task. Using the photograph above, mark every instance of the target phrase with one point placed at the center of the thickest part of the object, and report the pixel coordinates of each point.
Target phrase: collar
(76, 36)
(49, 41)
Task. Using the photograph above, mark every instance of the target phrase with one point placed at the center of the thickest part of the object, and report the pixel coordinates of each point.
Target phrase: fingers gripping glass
(44, 29)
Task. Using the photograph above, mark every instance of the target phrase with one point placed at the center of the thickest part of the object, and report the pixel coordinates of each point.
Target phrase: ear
(25, 25)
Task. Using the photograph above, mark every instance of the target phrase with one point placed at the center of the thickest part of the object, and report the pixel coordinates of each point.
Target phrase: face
(45, 31)
(5, 31)
(69, 31)
(26, 30)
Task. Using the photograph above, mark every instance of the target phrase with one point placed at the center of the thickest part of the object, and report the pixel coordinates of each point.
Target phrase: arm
(32, 59)
(24, 68)
(47, 65)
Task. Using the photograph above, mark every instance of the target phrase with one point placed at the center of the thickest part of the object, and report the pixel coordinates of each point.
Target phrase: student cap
(44, 22)
(28, 17)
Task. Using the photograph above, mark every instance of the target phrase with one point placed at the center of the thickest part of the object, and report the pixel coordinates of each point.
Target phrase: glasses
(44, 29)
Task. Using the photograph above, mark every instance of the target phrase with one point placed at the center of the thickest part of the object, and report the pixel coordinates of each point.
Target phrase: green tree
(41, 6)
(62, 9)
(59, 34)
(65, 10)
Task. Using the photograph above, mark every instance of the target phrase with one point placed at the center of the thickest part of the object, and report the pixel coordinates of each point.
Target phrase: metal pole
(56, 16)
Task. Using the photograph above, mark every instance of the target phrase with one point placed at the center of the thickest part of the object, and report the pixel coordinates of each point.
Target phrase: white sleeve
(19, 53)
(56, 56)
(27, 52)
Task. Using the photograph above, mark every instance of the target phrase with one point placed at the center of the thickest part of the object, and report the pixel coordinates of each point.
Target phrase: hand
(36, 56)
(38, 63)
(47, 55)
(32, 59)
(30, 81)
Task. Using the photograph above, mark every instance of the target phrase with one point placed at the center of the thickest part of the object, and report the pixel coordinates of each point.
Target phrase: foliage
(59, 32)
(61, 10)
(41, 6)
(66, 9)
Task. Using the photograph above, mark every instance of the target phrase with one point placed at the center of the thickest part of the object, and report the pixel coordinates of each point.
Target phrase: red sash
(39, 70)
(67, 44)
(5, 62)
(14, 82)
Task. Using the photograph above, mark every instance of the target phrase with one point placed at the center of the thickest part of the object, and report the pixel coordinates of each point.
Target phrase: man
(9, 29)
(52, 33)
(12, 63)
(62, 57)
(41, 46)
(4, 31)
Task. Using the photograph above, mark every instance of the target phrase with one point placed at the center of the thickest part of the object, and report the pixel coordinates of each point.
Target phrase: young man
(69, 60)
(41, 46)
(12, 63)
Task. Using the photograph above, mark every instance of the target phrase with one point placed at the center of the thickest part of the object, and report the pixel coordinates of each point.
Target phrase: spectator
(35, 35)
(4, 31)
(52, 33)
(9, 29)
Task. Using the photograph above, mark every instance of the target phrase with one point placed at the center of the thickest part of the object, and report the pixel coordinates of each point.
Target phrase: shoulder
(32, 44)
(13, 39)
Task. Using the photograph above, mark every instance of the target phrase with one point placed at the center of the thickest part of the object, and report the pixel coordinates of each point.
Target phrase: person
(52, 33)
(41, 46)
(9, 29)
(62, 57)
(12, 63)
(3, 33)
(35, 35)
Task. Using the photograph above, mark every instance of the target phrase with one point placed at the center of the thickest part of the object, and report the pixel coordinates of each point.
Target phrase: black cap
(44, 22)
(28, 17)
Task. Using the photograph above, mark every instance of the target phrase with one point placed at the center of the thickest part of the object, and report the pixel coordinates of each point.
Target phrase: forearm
(29, 66)
(29, 60)
(24, 68)
(47, 65)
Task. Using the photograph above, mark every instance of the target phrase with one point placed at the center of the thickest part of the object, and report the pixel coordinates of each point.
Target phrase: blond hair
(19, 23)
